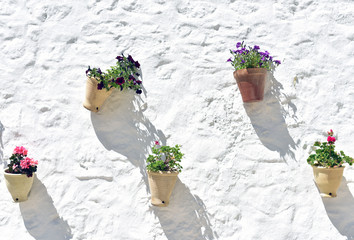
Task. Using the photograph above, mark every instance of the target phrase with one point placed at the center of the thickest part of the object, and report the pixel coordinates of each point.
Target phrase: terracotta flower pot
(19, 185)
(161, 186)
(94, 97)
(328, 180)
(251, 82)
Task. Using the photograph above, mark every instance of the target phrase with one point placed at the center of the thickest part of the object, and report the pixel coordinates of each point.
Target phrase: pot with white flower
(251, 66)
(99, 85)
(163, 168)
(327, 165)
(19, 174)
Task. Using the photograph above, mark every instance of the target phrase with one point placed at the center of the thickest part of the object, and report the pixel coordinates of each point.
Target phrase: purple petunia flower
(256, 47)
(266, 54)
(119, 58)
(120, 80)
(260, 64)
(139, 91)
(88, 70)
(277, 62)
(270, 58)
(243, 61)
(131, 77)
(238, 44)
(99, 71)
(137, 64)
(100, 86)
(130, 58)
(229, 60)
(138, 82)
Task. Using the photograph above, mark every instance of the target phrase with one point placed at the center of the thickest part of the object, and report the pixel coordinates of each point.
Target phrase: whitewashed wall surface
(245, 173)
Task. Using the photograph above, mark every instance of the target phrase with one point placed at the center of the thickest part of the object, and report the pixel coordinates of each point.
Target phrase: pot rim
(95, 81)
(169, 173)
(328, 168)
(260, 69)
(16, 174)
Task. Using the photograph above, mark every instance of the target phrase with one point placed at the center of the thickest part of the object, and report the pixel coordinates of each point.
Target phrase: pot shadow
(122, 127)
(267, 119)
(185, 217)
(40, 216)
(340, 210)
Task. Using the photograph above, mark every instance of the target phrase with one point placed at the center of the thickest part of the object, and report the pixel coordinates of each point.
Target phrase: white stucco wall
(245, 173)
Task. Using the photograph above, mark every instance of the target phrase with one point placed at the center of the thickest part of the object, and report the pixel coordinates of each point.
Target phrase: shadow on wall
(340, 210)
(267, 119)
(121, 126)
(40, 216)
(185, 217)
(2, 129)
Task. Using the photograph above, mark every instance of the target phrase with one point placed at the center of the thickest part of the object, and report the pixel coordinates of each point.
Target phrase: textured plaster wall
(245, 173)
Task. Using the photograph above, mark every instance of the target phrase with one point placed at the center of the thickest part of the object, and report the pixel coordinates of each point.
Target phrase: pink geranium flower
(20, 163)
(33, 162)
(331, 139)
(20, 150)
(330, 133)
(25, 163)
(157, 143)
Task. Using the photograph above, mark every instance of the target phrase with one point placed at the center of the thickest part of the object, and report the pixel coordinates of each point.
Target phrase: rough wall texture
(245, 173)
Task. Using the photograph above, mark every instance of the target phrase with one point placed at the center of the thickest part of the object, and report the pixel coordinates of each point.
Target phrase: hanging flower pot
(95, 97)
(327, 165)
(161, 185)
(251, 66)
(328, 180)
(19, 174)
(19, 185)
(163, 168)
(99, 85)
(251, 82)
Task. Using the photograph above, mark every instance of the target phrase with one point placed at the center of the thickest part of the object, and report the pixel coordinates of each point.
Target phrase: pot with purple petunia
(99, 85)
(251, 66)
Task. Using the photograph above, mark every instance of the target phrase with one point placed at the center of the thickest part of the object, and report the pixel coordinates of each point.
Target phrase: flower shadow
(185, 217)
(340, 209)
(267, 119)
(122, 127)
(40, 216)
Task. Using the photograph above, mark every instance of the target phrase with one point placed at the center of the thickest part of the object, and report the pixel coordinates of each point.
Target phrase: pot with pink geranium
(19, 174)
(327, 165)
(163, 169)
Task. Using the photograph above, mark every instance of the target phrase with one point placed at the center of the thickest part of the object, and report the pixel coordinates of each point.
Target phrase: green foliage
(251, 57)
(124, 75)
(165, 158)
(326, 156)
